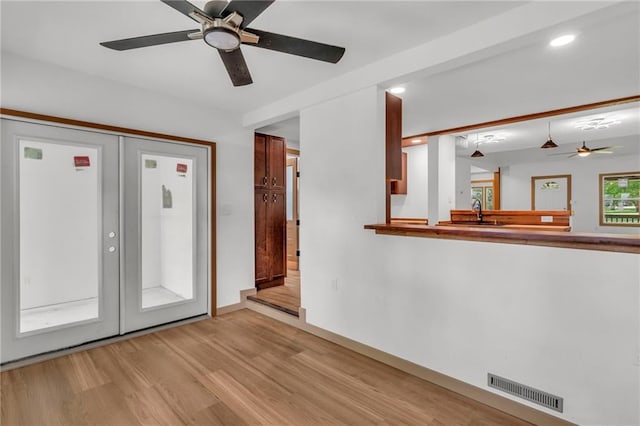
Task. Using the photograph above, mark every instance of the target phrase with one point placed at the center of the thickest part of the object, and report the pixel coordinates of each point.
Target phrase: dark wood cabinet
(269, 162)
(260, 174)
(400, 186)
(277, 160)
(270, 210)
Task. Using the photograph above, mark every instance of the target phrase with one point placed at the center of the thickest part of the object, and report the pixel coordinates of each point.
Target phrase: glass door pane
(60, 223)
(167, 211)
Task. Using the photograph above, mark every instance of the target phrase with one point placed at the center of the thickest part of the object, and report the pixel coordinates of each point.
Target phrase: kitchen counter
(558, 228)
(515, 235)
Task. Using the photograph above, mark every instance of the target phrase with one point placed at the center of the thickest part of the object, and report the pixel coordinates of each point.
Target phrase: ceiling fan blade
(601, 148)
(236, 67)
(183, 7)
(297, 46)
(249, 9)
(601, 151)
(150, 40)
(572, 155)
(214, 8)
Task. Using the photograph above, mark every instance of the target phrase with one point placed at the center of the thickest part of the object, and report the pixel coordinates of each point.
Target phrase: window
(619, 199)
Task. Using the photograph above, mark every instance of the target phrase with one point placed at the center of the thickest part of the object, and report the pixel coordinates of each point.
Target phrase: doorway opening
(285, 294)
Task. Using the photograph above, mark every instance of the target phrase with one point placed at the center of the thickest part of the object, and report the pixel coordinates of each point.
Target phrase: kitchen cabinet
(269, 162)
(400, 186)
(270, 210)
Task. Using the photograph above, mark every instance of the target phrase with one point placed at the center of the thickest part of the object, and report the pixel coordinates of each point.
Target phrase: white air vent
(526, 392)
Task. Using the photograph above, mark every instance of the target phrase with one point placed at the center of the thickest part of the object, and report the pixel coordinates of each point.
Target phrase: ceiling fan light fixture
(584, 153)
(222, 39)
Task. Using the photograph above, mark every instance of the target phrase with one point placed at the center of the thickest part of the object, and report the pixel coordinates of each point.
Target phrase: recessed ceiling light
(492, 138)
(562, 40)
(417, 140)
(397, 90)
(597, 123)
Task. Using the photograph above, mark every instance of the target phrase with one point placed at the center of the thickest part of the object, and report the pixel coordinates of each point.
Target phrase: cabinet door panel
(260, 173)
(277, 159)
(277, 235)
(261, 251)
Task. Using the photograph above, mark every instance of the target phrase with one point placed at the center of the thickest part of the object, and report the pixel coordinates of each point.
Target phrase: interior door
(261, 203)
(165, 232)
(60, 239)
(277, 236)
(292, 213)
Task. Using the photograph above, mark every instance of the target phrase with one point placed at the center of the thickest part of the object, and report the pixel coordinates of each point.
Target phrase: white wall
(235, 217)
(46, 89)
(413, 204)
(341, 189)
(516, 187)
(561, 320)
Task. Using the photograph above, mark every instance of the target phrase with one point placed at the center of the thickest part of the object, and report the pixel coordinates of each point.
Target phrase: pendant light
(549, 143)
(477, 153)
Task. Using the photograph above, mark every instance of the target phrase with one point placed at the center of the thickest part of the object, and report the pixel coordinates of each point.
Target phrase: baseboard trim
(229, 308)
(483, 396)
(237, 306)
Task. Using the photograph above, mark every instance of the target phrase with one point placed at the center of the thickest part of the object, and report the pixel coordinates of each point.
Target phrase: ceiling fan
(585, 151)
(224, 27)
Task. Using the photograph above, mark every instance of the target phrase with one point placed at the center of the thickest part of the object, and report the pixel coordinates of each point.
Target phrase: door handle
(273, 181)
(264, 180)
(265, 197)
(275, 198)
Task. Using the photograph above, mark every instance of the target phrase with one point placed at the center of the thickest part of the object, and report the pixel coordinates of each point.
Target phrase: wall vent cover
(526, 392)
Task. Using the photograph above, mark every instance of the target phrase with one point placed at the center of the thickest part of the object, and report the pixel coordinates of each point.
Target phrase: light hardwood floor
(240, 368)
(284, 297)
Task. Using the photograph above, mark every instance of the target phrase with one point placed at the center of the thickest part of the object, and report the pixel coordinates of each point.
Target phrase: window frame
(601, 213)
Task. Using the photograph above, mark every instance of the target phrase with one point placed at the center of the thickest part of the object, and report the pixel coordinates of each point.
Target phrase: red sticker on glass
(81, 161)
(181, 168)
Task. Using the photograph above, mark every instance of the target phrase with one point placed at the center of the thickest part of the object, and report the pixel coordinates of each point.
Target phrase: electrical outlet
(334, 284)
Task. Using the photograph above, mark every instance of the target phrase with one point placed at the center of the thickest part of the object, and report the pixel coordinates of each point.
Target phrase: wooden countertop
(558, 228)
(510, 235)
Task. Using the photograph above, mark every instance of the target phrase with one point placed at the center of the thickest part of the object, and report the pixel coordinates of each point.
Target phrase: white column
(463, 183)
(442, 177)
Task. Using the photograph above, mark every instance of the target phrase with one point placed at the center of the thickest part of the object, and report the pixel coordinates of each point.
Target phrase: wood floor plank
(218, 414)
(239, 369)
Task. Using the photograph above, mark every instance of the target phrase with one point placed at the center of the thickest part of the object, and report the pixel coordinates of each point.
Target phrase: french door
(165, 235)
(99, 237)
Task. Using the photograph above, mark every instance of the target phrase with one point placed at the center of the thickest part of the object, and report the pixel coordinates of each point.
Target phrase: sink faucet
(476, 206)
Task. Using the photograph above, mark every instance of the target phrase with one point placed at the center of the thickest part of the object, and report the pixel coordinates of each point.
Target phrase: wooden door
(277, 235)
(276, 160)
(261, 236)
(260, 172)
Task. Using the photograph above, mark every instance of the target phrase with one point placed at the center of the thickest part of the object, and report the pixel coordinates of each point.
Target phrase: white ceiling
(68, 33)
(565, 132)
(527, 77)
(603, 63)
